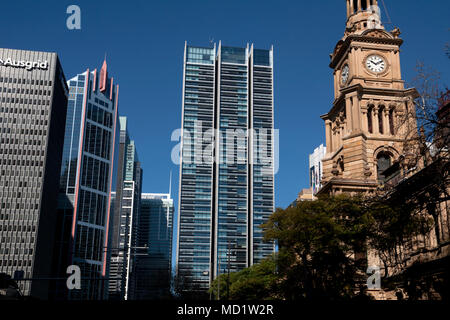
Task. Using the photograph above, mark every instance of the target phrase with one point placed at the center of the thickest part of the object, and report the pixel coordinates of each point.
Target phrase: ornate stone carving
(376, 34)
(367, 171)
(335, 170)
(396, 33)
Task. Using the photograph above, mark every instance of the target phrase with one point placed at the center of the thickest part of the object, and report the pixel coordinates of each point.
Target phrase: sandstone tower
(364, 130)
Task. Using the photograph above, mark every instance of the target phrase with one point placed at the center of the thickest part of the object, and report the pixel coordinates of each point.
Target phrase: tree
(259, 282)
(322, 249)
(317, 241)
(323, 243)
(393, 221)
(185, 287)
(9, 290)
(423, 169)
(428, 139)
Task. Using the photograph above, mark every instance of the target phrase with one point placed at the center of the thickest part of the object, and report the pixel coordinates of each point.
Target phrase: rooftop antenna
(387, 13)
(211, 40)
(170, 183)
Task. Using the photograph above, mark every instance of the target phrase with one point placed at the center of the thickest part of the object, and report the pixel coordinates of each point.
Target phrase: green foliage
(316, 242)
(255, 283)
(322, 247)
(393, 223)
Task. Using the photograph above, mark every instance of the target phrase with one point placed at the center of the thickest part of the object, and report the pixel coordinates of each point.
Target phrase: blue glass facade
(154, 264)
(196, 176)
(232, 176)
(125, 217)
(262, 167)
(226, 175)
(85, 183)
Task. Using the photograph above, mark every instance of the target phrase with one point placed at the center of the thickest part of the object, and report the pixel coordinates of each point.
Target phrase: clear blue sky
(144, 43)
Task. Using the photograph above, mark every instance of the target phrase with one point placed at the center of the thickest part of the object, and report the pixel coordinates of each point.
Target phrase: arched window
(369, 119)
(341, 165)
(383, 163)
(364, 4)
(391, 121)
(380, 119)
(355, 6)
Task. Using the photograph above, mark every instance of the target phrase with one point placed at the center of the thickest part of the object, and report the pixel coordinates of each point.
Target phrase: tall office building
(33, 107)
(124, 222)
(86, 178)
(227, 169)
(316, 168)
(153, 269)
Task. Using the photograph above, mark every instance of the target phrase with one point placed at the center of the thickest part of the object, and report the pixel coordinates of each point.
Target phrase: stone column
(386, 125)
(349, 114)
(328, 137)
(336, 138)
(333, 138)
(356, 113)
(375, 125)
(359, 5)
(339, 139)
(364, 124)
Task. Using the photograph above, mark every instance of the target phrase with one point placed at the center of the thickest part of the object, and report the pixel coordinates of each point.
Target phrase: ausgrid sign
(28, 65)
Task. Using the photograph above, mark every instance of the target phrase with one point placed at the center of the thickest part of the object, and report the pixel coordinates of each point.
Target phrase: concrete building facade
(316, 168)
(33, 108)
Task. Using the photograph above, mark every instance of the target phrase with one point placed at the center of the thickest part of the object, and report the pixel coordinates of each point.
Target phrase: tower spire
(170, 183)
(103, 76)
(363, 15)
(355, 6)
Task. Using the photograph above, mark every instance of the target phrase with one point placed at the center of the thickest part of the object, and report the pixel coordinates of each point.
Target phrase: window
(341, 165)
(391, 121)
(364, 4)
(383, 163)
(380, 119)
(369, 119)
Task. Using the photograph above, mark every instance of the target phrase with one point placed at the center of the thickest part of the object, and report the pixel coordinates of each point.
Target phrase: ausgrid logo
(28, 65)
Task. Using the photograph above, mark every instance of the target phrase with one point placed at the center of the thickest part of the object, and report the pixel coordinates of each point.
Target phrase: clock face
(345, 73)
(375, 63)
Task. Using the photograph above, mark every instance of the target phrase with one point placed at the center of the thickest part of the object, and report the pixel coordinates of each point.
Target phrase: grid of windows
(196, 178)
(86, 174)
(29, 100)
(232, 173)
(224, 200)
(124, 227)
(154, 269)
(263, 166)
(200, 55)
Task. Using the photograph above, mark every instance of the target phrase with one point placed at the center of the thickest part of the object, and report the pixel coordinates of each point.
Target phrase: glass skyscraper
(153, 268)
(125, 220)
(86, 178)
(33, 107)
(227, 162)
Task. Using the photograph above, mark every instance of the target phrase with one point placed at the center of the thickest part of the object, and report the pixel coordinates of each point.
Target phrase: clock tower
(365, 127)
